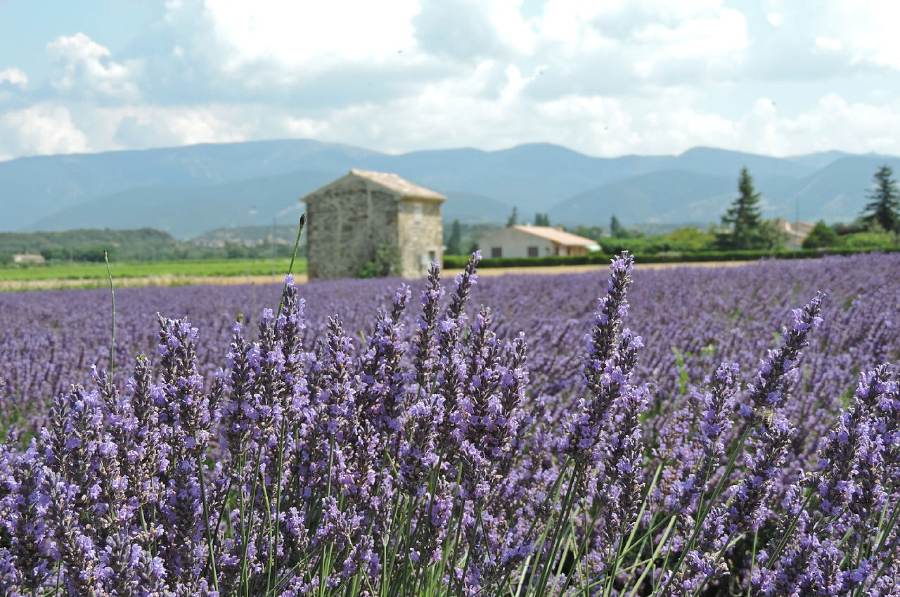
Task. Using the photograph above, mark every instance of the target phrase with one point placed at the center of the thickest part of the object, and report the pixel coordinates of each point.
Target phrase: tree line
(145, 244)
(742, 226)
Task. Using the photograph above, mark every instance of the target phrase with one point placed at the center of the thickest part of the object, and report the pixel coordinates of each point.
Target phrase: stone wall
(346, 225)
(421, 236)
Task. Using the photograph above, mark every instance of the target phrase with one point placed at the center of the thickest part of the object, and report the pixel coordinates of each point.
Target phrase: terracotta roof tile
(398, 184)
(558, 236)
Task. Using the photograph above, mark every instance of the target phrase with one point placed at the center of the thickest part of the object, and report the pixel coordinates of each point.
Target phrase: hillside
(187, 191)
(836, 192)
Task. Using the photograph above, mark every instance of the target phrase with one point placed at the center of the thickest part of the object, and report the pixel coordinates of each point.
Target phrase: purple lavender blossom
(432, 451)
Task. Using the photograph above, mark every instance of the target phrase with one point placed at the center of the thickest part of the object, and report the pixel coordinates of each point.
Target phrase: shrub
(821, 236)
(386, 262)
(869, 241)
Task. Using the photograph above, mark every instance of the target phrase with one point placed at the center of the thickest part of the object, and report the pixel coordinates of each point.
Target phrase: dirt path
(141, 282)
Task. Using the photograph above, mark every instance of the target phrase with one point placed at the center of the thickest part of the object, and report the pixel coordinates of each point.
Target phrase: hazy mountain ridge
(189, 190)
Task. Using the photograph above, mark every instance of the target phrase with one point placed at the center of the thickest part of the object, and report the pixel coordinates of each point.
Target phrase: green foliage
(454, 241)
(145, 244)
(603, 258)
(616, 228)
(850, 237)
(844, 228)
(884, 208)
(743, 222)
(469, 236)
(681, 240)
(513, 218)
(594, 232)
(771, 237)
(96, 271)
(875, 240)
(541, 219)
(385, 262)
(821, 236)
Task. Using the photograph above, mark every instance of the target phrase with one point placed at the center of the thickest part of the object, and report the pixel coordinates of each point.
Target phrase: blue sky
(606, 78)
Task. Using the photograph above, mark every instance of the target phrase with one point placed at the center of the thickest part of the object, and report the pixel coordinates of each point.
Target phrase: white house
(534, 241)
(29, 259)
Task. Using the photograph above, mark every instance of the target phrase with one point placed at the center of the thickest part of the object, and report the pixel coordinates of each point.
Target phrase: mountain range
(193, 189)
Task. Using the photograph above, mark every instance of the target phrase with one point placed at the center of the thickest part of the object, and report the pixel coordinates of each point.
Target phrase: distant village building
(794, 232)
(534, 241)
(356, 217)
(29, 259)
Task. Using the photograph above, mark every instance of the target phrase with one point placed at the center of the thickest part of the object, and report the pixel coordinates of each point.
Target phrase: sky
(604, 77)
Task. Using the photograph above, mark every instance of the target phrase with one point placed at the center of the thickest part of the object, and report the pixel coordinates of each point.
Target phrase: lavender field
(693, 432)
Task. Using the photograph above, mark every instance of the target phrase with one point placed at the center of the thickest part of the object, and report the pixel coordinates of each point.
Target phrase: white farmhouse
(534, 241)
(29, 259)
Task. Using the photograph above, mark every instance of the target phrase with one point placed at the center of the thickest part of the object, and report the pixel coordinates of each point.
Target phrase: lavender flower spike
(778, 369)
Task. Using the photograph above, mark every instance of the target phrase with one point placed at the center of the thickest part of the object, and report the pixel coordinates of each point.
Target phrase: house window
(432, 256)
(417, 213)
(496, 252)
(532, 251)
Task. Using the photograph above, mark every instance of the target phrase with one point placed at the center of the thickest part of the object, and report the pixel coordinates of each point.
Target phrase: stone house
(364, 215)
(534, 241)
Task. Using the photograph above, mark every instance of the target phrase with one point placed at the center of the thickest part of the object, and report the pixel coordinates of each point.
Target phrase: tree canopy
(821, 236)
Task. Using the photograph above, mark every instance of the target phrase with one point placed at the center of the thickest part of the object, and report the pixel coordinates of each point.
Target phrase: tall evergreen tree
(541, 219)
(743, 219)
(616, 229)
(884, 207)
(513, 218)
(454, 241)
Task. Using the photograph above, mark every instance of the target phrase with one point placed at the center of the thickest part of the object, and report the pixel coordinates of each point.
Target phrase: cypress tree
(743, 218)
(615, 228)
(884, 207)
(454, 241)
(541, 219)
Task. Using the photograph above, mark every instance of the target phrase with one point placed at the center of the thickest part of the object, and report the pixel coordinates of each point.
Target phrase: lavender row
(435, 449)
(691, 320)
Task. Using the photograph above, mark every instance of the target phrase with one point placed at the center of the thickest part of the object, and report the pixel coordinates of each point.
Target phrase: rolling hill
(836, 192)
(189, 190)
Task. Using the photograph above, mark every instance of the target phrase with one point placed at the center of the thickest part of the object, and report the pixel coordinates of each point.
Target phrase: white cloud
(40, 129)
(866, 31)
(13, 77)
(471, 29)
(835, 122)
(308, 36)
(604, 77)
(828, 44)
(154, 126)
(84, 67)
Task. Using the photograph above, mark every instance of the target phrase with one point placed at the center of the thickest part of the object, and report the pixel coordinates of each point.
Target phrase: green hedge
(459, 261)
